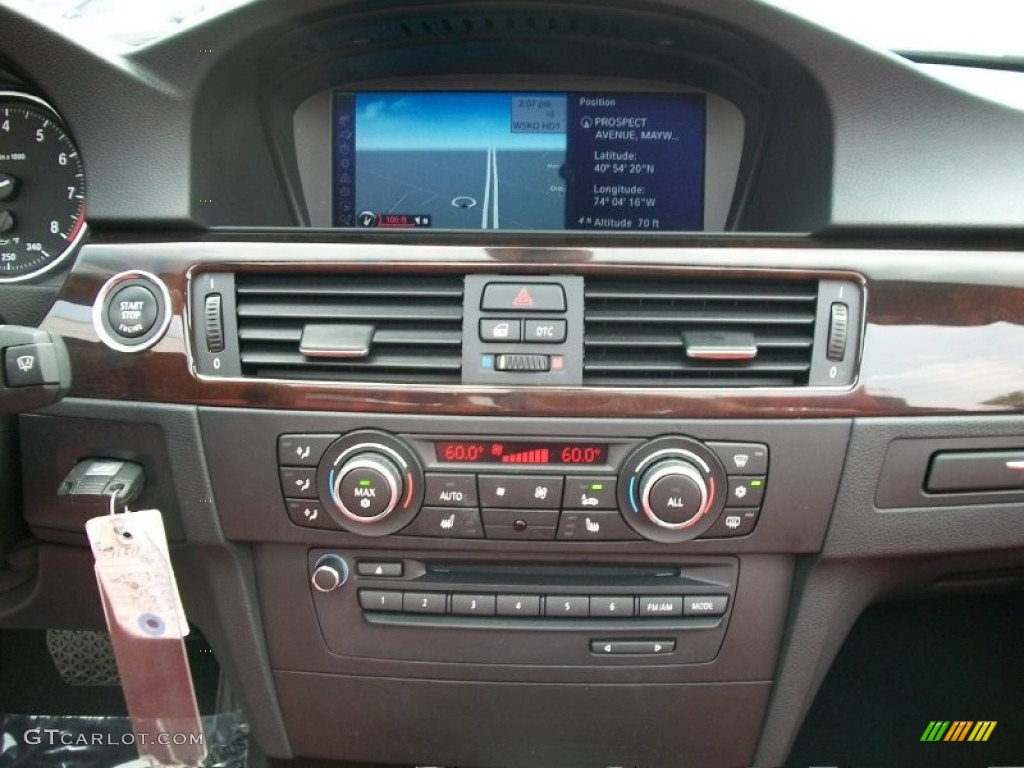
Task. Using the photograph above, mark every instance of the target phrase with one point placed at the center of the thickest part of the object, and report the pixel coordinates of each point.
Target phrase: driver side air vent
(699, 333)
(350, 328)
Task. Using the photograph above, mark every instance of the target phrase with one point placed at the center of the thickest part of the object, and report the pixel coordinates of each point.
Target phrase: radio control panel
(668, 489)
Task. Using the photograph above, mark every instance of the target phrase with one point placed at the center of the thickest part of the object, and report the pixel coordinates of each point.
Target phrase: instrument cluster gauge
(42, 188)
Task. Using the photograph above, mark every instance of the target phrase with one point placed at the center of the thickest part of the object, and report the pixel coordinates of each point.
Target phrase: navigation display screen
(519, 161)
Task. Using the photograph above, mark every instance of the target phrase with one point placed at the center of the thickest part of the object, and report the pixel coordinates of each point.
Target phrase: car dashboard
(520, 383)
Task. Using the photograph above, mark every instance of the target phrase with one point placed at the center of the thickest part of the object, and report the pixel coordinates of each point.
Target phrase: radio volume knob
(674, 494)
(330, 572)
(367, 487)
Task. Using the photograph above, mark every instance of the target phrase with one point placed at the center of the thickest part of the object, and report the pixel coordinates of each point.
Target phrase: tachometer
(42, 188)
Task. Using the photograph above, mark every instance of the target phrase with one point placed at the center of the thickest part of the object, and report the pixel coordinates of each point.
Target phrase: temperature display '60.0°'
(510, 452)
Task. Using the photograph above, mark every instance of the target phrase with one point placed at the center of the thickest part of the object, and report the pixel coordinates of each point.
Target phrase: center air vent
(697, 332)
(351, 328)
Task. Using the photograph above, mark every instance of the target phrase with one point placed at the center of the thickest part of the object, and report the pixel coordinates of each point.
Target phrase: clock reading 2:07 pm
(42, 188)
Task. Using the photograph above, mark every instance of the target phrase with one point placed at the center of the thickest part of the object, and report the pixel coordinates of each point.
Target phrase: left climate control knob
(371, 483)
(367, 487)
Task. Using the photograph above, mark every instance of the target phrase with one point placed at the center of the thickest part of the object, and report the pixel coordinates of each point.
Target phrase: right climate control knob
(672, 489)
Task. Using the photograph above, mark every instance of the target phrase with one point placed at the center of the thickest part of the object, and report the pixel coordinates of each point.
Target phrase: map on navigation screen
(519, 161)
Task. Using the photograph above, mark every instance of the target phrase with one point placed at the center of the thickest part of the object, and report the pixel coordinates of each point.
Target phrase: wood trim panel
(941, 336)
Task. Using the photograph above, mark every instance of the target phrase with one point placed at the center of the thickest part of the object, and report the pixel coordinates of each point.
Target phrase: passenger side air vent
(699, 333)
(350, 328)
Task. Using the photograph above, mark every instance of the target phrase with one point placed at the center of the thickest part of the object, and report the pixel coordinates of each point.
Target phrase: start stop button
(132, 311)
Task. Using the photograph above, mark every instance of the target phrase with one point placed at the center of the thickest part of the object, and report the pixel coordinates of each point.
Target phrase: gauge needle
(6, 186)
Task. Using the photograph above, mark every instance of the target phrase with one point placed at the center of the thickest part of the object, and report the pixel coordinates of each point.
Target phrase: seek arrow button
(632, 647)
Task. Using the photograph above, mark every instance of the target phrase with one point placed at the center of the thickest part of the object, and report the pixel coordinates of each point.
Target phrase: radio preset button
(444, 490)
(611, 607)
(518, 605)
(424, 602)
(473, 605)
(521, 491)
(567, 606)
(380, 600)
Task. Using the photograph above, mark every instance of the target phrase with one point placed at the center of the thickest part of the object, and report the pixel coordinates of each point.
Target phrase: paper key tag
(134, 565)
(147, 625)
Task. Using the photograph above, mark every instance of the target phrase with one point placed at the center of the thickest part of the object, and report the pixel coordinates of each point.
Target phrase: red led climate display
(505, 452)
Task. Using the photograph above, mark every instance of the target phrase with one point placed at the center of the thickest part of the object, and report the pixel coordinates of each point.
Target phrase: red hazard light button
(523, 297)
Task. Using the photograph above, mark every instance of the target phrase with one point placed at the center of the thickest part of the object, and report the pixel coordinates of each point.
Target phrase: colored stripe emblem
(958, 730)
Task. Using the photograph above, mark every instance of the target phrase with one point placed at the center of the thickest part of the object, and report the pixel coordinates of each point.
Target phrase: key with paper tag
(147, 626)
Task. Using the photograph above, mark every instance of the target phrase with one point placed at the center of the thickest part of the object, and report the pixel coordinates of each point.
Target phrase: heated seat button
(445, 490)
(443, 523)
(523, 297)
(594, 526)
(661, 605)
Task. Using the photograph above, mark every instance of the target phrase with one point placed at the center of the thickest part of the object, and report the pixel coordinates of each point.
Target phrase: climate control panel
(668, 489)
